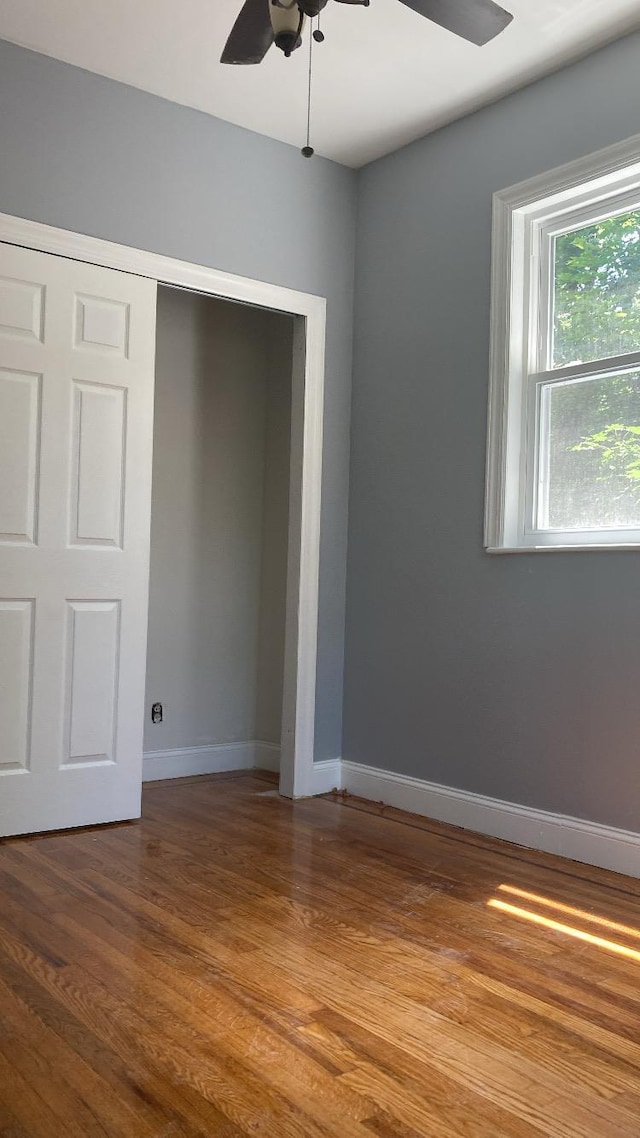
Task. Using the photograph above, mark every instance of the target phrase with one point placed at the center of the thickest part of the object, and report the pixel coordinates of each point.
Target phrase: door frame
(305, 475)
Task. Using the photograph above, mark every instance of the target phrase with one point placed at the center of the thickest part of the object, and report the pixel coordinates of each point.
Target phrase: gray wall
(513, 676)
(218, 522)
(87, 154)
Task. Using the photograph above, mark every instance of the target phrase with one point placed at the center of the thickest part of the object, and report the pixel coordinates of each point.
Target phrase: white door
(77, 348)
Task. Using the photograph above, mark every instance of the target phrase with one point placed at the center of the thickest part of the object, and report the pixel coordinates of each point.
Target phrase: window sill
(591, 547)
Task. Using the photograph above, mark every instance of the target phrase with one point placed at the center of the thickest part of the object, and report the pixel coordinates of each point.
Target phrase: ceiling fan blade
(251, 35)
(475, 20)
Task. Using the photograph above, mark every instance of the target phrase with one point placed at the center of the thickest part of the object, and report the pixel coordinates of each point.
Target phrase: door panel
(19, 454)
(76, 425)
(16, 638)
(97, 511)
(21, 309)
(92, 653)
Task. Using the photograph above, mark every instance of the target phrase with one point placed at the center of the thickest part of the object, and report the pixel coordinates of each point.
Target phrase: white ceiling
(383, 77)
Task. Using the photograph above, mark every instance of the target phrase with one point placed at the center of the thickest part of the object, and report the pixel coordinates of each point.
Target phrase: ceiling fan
(264, 22)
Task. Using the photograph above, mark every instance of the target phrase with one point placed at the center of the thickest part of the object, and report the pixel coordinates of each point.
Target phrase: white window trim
(521, 214)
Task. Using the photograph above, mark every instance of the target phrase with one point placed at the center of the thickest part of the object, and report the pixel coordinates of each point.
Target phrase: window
(563, 465)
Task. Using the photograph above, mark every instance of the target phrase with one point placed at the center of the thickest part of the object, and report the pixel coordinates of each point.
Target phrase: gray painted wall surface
(218, 522)
(513, 676)
(87, 154)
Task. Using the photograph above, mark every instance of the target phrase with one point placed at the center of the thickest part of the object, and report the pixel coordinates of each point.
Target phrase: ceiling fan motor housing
(287, 21)
(312, 8)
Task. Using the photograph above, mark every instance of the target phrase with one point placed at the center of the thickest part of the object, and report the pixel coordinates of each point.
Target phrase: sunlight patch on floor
(569, 910)
(547, 922)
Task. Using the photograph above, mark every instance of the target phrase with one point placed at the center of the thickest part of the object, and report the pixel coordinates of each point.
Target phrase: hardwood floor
(239, 965)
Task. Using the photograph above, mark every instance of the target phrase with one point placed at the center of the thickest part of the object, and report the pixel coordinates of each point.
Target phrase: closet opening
(230, 669)
(219, 536)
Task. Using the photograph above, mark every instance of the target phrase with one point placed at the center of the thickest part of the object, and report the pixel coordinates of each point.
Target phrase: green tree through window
(594, 452)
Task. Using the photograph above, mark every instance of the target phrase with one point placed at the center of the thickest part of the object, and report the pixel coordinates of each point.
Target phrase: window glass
(592, 476)
(596, 291)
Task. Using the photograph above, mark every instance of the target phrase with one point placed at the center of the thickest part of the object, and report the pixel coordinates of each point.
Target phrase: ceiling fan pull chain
(308, 151)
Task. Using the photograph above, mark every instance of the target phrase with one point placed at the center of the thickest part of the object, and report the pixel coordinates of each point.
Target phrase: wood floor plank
(31, 1111)
(77, 1047)
(9, 1125)
(80, 1077)
(236, 964)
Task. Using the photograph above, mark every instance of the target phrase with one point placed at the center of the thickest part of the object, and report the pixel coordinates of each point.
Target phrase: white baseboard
(589, 842)
(327, 776)
(266, 756)
(197, 760)
(254, 754)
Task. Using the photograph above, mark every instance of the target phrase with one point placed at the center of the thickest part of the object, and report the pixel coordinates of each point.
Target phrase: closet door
(77, 348)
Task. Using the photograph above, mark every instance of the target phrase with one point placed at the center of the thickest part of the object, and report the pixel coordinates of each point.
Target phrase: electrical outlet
(156, 713)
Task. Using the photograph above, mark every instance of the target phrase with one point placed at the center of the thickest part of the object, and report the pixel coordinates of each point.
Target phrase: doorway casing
(305, 476)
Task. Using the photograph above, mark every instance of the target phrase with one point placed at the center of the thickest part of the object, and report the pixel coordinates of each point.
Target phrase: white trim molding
(254, 754)
(303, 560)
(266, 756)
(167, 270)
(560, 834)
(327, 776)
(297, 777)
(526, 219)
(185, 761)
